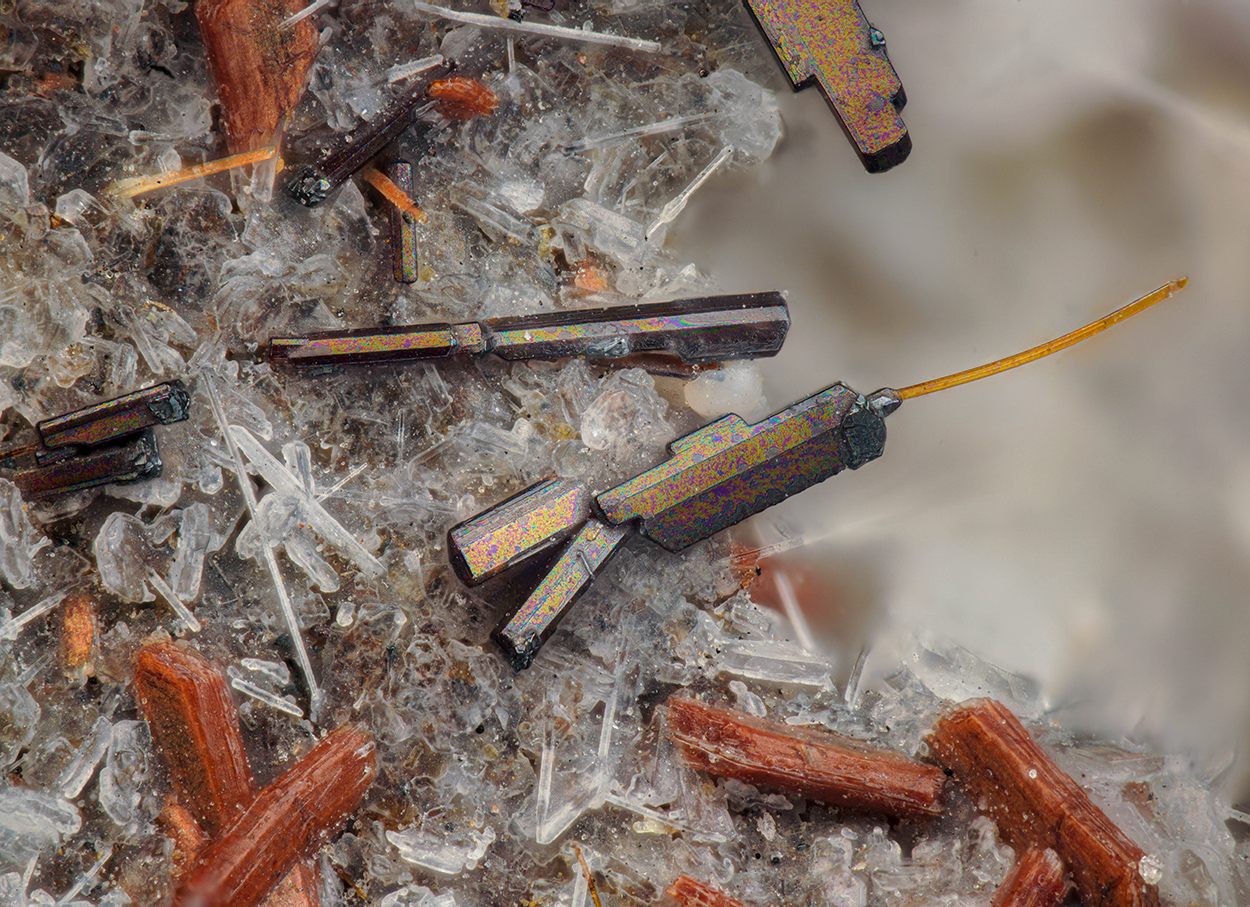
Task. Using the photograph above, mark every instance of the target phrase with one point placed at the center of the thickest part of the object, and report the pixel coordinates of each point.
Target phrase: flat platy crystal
(815, 764)
(829, 42)
(285, 823)
(1037, 880)
(1036, 804)
(692, 893)
(195, 728)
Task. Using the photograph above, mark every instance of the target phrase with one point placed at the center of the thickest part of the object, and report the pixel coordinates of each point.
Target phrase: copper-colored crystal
(818, 765)
(80, 635)
(462, 98)
(259, 66)
(195, 728)
(285, 823)
(189, 839)
(1035, 804)
(298, 888)
(692, 893)
(1037, 880)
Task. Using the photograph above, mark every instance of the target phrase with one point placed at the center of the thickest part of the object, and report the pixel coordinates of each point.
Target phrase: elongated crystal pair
(714, 478)
(109, 442)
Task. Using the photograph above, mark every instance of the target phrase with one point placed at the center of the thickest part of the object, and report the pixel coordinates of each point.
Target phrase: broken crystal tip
(521, 633)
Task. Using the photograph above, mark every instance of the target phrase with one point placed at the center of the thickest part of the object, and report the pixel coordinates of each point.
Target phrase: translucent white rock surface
(492, 780)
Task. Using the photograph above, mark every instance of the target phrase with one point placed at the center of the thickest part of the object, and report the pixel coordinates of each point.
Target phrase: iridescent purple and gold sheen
(403, 227)
(116, 464)
(740, 326)
(525, 630)
(831, 43)
(103, 422)
(714, 477)
(538, 518)
(366, 347)
(729, 470)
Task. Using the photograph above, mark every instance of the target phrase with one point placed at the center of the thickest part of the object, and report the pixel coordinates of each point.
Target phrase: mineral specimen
(1036, 804)
(804, 762)
(1037, 880)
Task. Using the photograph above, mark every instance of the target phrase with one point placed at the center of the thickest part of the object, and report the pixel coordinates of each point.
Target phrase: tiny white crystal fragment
(76, 775)
(738, 388)
(447, 854)
(19, 713)
(14, 184)
(775, 662)
(20, 541)
(31, 820)
(124, 556)
(124, 772)
(1151, 869)
(196, 539)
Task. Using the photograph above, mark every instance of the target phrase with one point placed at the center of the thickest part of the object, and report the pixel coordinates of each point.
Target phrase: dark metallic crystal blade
(113, 419)
(522, 633)
(742, 326)
(115, 464)
(314, 181)
(729, 470)
(538, 518)
(403, 227)
(366, 347)
(829, 42)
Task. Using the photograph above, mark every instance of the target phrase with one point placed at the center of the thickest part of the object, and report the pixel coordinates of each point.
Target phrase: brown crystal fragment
(692, 893)
(1037, 880)
(285, 823)
(1035, 804)
(180, 827)
(258, 65)
(80, 635)
(815, 764)
(298, 888)
(461, 98)
(195, 728)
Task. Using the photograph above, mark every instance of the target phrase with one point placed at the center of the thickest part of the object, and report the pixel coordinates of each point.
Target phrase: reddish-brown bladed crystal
(692, 893)
(1036, 804)
(258, 65)
(285, 823)
(1037, 880)
(818, 765)
(195, 728)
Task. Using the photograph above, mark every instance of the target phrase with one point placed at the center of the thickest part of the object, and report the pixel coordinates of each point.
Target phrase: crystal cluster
(296, 534)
